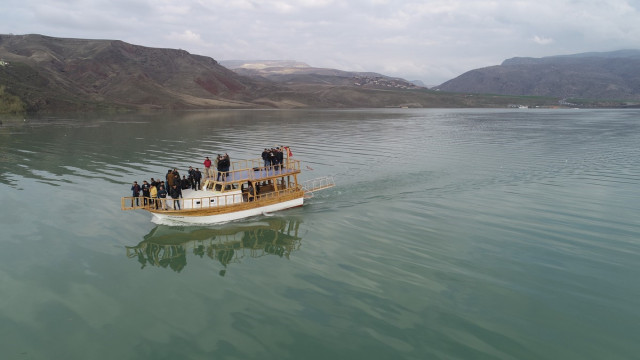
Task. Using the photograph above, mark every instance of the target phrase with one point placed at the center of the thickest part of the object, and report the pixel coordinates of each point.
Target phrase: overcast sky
(431, 40)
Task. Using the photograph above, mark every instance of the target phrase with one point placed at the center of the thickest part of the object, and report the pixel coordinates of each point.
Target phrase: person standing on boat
(272, 158)
(197, 176)
(265, 158)
(162, 195)
(275, 160)
(280, 157)
(251, 194)
(227, 164)
(289, 155)
(223, 167)
(135, 192)
(176, 179)
(169, 178)
(145, 192)
(153, 194)
(176, 194)
(207, 166)
(219, 166)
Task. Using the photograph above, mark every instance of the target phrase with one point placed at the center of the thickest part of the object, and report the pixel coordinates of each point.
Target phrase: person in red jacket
(207, 168)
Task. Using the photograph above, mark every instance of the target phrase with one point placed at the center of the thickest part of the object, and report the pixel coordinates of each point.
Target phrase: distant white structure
(262, 64)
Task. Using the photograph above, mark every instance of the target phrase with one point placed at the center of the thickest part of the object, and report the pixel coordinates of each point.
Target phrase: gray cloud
(428, 40)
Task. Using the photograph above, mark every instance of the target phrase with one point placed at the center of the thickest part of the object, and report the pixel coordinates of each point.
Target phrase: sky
(432, 40)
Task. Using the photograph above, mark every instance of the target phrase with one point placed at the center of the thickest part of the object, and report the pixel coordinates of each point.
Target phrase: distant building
(378, 81)
(564, 102)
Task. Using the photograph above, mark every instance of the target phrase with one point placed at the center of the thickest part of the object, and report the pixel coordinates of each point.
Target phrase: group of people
(273, 157)
(154, 193)
(222, 164)
(191, 182)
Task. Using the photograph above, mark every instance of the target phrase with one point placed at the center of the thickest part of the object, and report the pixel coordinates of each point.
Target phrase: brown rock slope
(61, 73)
(41, 74)
(609, 75)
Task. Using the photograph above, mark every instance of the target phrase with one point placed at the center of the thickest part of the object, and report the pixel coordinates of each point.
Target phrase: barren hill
(610, 75)
(50, 72)
(41, 73)
(291, 72)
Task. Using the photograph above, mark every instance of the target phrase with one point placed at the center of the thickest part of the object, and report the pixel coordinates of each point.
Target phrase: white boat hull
(169, 219)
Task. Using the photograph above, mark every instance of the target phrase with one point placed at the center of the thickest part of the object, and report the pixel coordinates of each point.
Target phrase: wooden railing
(254, 169)
(167, 204)
(318, 184)
(253, 163)
(147, 203)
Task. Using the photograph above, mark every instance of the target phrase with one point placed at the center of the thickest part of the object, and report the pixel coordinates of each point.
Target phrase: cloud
(408, 38)
(542, 40)
(186, 36)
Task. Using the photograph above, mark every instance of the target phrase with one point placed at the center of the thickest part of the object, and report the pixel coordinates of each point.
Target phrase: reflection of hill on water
(167, 246)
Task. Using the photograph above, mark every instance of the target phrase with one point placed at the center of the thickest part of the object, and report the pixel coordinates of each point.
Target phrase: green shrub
(10, 104)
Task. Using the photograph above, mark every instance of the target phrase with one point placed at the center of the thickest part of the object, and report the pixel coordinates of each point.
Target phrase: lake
(451, 234)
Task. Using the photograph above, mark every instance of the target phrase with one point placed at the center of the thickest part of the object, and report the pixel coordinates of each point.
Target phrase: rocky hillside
(55, 73)
(44, 74)
(612, 75)
(295, 73)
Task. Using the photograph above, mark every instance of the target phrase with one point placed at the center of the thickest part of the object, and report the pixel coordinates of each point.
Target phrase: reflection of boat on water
(167, 246)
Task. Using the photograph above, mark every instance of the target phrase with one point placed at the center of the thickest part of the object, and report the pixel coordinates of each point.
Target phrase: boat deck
(254, 174)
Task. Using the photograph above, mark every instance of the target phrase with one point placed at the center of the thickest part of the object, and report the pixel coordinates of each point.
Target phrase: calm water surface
(452, 234)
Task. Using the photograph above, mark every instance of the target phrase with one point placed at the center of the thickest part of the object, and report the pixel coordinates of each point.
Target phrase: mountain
(607, 75)
(45, 74)
(291, 72)
(57, 73)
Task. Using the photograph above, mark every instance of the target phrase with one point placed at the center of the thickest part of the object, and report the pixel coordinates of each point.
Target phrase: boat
(247, 189)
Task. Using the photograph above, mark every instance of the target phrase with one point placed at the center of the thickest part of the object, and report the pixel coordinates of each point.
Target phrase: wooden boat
(247, 189)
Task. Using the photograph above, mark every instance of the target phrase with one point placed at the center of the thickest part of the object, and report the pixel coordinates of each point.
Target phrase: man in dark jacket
(162, 195)
(176, 178)
(145, 191)
(227, 165)
(176, 194)
(220, 167)
(280, 157)
(185, 183)
(197, 175)
(273, 161)
(265, 158)
(135, 192)
(191, 177)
